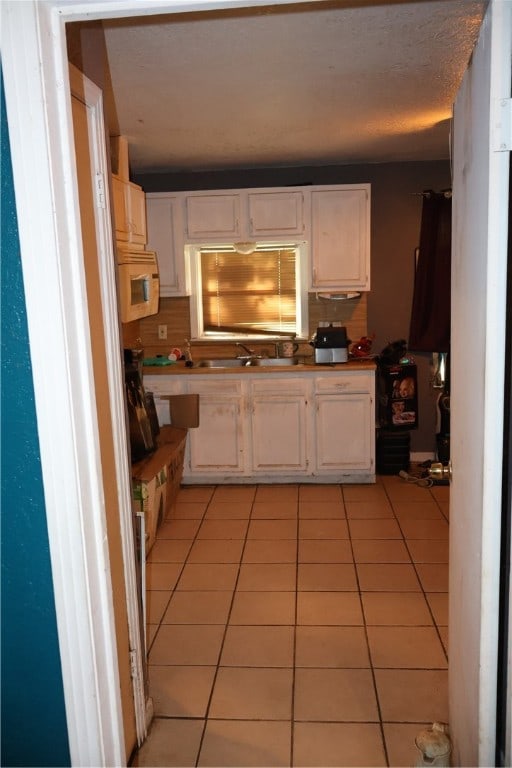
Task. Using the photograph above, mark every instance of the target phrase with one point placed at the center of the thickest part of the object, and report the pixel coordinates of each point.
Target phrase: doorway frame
(34, 62)
(481, 160)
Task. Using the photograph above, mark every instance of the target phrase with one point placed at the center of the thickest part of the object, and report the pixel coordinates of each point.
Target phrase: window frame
(192, 254)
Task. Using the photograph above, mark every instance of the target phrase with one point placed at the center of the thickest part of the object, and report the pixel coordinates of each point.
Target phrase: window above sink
(248, 295)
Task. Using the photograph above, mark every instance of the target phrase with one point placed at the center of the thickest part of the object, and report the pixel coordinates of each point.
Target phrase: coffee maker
(330, 344)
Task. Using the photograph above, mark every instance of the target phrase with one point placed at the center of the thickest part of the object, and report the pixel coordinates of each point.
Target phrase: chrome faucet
(246, 349)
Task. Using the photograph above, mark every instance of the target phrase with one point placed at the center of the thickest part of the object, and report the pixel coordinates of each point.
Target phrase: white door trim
(90, 95)
(479, 271)
(54, 280)
(34, 63)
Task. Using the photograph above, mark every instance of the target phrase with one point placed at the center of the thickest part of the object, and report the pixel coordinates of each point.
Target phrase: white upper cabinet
(275, 213)
(129, 213)
(244, 214)
(340, 238)
(165, 237)
(333, 220)
(215, 215)
(137, 214)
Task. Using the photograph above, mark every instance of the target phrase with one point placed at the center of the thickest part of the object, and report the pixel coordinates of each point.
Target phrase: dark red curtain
(430, 315)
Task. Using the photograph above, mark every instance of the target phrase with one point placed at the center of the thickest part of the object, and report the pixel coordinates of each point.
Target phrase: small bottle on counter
(187, 354)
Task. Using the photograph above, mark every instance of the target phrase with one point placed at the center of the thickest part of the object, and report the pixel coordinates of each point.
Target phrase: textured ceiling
(307, 84)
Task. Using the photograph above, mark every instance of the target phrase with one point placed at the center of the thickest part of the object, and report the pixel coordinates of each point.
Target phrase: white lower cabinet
(344, 423)
(217, 445)
(278, 422)
(268, 428)
(342, 434)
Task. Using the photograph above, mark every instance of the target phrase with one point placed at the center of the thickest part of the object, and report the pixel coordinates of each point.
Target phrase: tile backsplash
(175, 314)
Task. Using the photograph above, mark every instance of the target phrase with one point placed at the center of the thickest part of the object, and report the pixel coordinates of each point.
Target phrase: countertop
(180, 369)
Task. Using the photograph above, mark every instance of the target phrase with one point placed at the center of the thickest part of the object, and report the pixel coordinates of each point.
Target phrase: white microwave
(139, 284)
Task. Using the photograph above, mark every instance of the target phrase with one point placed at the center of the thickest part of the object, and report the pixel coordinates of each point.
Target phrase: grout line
(226, 625)
(423, 590)
(173, 590)
(294, 659)
(370, 660)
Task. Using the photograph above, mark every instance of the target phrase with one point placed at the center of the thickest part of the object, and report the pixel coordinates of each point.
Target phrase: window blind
(253, 293)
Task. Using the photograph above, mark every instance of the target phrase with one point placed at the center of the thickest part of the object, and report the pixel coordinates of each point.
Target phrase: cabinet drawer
(350, 382)
(277, 386)
(162, 385)
(227, 388)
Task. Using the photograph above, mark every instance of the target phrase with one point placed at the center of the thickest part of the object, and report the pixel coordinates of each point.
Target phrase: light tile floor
(297, 625)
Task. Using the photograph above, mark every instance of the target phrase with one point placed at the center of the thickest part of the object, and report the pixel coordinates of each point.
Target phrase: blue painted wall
(33, 722)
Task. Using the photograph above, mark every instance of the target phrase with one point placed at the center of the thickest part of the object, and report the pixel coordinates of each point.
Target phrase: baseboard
(419, 457)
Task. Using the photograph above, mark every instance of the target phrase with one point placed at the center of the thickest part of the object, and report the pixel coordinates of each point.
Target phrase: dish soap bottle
(187, 354)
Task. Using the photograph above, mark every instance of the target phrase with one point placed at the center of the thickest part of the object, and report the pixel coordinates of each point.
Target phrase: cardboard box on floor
(156, 480)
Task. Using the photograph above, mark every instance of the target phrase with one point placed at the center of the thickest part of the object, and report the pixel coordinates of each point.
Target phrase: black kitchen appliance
(393, 451)
(397, 387)
(330, 344)
(141, 432)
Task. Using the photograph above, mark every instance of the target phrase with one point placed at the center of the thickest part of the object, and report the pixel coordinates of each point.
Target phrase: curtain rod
(447, 193)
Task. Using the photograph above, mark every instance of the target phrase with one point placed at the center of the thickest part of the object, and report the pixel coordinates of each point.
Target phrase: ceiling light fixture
(245, 248)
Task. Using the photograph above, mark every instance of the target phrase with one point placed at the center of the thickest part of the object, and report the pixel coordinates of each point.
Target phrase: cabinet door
(120, 212)
(275, 213)
(212, 216)
(165, 237)
(217, 444)
(278, 421)
(129, 212)
(344, 433)
(340, 239)
(136, 207)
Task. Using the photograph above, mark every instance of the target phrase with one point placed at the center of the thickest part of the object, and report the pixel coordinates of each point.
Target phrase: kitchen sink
(273, 361)
(221, 362)
(241, 362)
